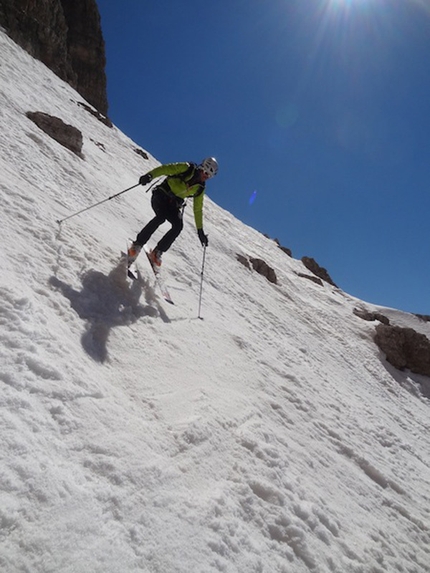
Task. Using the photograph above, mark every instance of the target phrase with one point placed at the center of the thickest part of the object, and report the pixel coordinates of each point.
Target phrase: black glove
(145, 179)
(203, 238)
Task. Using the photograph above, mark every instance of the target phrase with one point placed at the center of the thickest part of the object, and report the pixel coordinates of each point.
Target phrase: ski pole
(59, 221)
(201, 281)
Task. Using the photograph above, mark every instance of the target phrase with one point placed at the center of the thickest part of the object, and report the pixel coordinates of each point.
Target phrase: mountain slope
(269, 437)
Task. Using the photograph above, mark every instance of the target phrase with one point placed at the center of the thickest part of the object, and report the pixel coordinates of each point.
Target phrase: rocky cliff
(65, 35)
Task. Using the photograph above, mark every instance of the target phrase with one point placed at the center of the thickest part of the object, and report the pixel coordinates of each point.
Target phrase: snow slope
(269, 437)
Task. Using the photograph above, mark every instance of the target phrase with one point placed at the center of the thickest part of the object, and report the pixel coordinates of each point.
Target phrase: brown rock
(423, 317)
(66, 36)
(285, 250)
(67, 135)
(371, 316)
(243, 261)
(320, 272)
(404, 348)
(86, 50)
(96, 114)
(141, 153)
(263, 269)
(312, 278)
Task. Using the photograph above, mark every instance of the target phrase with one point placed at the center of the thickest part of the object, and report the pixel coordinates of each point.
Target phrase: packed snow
(268, 436)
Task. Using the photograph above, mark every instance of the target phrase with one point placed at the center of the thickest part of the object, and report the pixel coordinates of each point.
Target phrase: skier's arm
(198, 217)
(167, 169)
(198, 210)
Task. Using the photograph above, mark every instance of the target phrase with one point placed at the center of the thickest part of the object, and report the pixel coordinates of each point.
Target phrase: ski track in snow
(269, 437)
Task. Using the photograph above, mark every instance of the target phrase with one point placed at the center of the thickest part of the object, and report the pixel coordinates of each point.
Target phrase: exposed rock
(86, 50)
(404, 348)
(381, 317)
(69, 136)
(263, 269)
(141, 153)
(286, 250)
(320, 272)
(39, 26)
(98, 144)
(260, 266)
(65, 35)
(244, 261)
(423, 317)
(96, 114)
(371, 316)
(312, 278)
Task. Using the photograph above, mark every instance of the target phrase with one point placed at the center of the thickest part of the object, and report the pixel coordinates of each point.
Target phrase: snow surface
(271, 436)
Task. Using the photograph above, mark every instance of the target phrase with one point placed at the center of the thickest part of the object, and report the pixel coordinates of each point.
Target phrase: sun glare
(339, 4)
(347, 10)
(348, 4)
(347, 31)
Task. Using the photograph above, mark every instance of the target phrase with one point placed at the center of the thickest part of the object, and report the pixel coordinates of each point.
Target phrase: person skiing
(182, 180)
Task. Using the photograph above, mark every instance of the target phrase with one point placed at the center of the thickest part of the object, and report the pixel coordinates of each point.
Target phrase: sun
(346, 29)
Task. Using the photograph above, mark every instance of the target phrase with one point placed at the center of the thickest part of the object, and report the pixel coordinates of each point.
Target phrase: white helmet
(209, 166)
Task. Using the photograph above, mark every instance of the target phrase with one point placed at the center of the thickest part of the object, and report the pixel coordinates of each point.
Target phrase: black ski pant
(166, 208)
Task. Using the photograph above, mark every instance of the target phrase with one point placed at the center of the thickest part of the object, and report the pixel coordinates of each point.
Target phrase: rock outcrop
(264, 269)
(371, 316)
(260, 266)
(318, 271)
(312, 278)
(404, 348)
(286, 250)
(66, 36)
(67, 135)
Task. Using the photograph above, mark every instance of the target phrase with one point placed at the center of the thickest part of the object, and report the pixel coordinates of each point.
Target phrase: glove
(203, 238)
(145, 179)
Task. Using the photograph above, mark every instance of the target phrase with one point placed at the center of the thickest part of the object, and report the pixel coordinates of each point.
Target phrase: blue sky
(319, 109)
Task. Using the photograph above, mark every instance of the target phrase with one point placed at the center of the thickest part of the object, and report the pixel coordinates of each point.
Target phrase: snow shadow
(107, 301)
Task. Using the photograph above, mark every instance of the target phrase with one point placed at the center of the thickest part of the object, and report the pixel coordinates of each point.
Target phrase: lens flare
(253, 197)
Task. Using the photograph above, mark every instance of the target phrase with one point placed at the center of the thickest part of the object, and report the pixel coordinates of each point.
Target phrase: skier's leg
(150, 228)
(174, 216)
(160, 204)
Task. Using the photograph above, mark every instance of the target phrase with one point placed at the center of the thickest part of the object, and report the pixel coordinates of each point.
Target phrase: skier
(182, 180)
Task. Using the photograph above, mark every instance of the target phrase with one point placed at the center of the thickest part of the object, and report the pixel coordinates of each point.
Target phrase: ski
(159, 280)
(132, 272)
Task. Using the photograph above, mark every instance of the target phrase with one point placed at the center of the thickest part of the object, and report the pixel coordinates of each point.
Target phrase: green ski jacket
(182, 180)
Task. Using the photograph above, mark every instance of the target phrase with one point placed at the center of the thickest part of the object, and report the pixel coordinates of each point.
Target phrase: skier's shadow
(108, 301)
